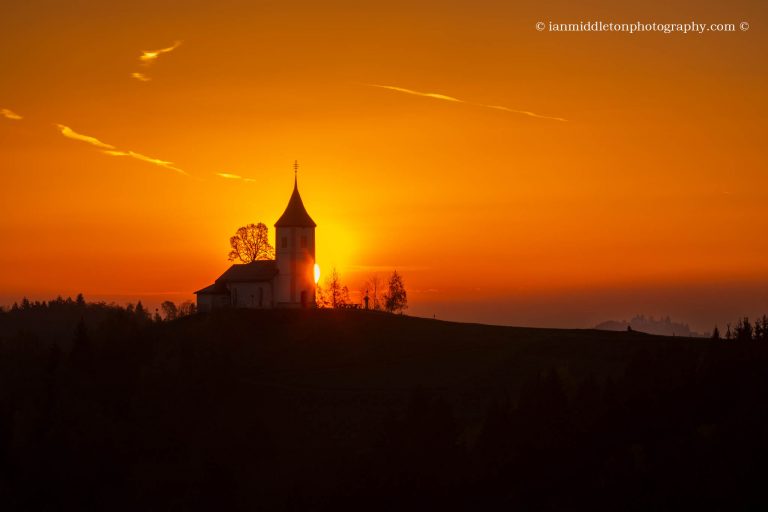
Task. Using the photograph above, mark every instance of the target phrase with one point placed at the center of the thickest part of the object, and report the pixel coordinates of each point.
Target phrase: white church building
(285, 282)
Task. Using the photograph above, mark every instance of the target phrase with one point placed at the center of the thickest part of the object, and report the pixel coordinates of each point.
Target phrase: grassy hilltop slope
(358, 350)
(326, 409)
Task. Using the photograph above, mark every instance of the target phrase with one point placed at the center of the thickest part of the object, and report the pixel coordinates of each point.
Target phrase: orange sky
(650, 198)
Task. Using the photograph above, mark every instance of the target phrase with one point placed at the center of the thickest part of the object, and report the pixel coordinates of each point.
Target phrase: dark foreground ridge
(314, 410)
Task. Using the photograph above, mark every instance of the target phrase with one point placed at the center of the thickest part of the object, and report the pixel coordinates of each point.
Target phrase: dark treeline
(51, 321)
(744, 330)
(331, 410)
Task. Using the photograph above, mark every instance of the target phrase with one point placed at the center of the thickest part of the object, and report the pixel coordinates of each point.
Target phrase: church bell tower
(295, 253)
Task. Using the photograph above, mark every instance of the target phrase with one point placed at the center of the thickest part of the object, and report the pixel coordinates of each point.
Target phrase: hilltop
(328, 409)
(359, 350)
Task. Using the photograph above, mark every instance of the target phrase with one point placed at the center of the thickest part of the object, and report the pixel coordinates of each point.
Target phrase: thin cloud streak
(417, 93)
(72, 134)
(138, 156)
(10, 114)
(141, 77)
(149, 56)
(443, 97)
(109, 149)
(524, 112)
(229, 176)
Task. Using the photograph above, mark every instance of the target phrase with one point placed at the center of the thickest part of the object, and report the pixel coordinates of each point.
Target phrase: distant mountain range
(662, 326)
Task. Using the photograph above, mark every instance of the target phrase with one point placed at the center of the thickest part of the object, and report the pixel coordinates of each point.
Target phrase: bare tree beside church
(251, 243)
(375, 287)
(337, 293)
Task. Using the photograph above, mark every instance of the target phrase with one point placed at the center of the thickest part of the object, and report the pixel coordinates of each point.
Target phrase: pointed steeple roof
(295, 215)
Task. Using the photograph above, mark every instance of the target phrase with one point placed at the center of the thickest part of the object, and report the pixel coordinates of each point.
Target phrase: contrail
(149, 56)
(10, 114)
(109, 149)
(457, 100)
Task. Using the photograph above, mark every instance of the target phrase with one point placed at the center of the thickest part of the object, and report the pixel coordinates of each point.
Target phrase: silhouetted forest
(104, 407)
(661, 326)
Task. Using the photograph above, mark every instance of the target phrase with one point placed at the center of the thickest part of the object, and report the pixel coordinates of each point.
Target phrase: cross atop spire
(295, 168)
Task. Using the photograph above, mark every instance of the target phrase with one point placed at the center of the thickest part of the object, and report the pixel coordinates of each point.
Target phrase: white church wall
(207, 302)
(204, 302)
(251, 295)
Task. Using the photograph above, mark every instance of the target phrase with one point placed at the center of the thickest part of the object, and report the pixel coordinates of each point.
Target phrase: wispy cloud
(72, 134)
(417, 93)
(144, 158)
(229, 176)
(109, 149)
(10, 114)
(149, 56)
(524, 112)
(141, 77)
(443, 97)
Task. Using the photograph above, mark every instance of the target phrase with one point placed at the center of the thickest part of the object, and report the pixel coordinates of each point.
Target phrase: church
(285, 282)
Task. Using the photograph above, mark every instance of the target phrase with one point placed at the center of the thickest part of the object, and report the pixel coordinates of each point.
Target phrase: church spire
(295, 215)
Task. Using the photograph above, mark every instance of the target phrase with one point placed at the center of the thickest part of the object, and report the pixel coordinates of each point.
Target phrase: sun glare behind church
(317, 273)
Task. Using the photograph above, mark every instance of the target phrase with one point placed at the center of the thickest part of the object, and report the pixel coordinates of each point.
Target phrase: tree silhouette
(761, 329)
(170, 312)
(187, 308)
(321, 297)
(395, 299)
(374, 284)
(336, 294)
(141, 312)
(251, 243)
(743, 330)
